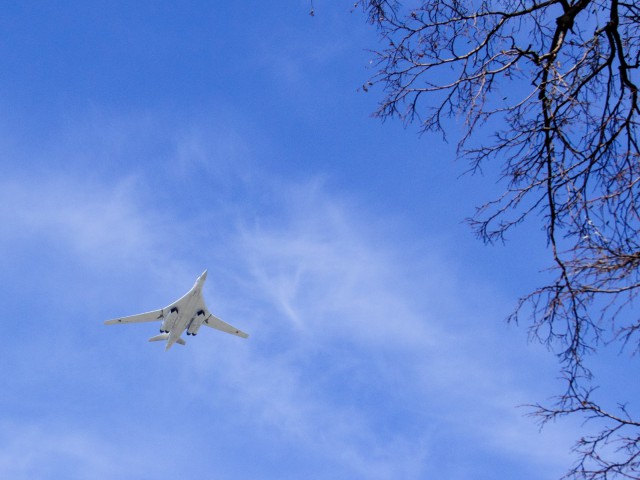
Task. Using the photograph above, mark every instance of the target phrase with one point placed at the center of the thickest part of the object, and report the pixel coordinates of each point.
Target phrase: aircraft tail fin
(165, 336)
(159, 338)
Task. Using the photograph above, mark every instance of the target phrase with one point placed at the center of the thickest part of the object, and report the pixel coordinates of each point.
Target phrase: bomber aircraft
(188, 313)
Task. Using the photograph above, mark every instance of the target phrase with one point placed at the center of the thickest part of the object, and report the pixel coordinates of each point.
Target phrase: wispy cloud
(29, 451)
(370, 351)
(51, 450)
(373, 350)
(95, 220)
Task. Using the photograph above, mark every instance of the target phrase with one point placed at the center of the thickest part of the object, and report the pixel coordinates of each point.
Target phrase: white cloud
(95, 220)
(331, 272)
(368, 350)
(46, 449)
(28, 451)
(364, 336)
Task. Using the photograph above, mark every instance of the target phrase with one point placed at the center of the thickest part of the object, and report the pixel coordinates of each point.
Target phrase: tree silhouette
(547, 89)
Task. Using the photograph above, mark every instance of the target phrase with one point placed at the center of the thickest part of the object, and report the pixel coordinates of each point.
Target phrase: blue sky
(143, 142)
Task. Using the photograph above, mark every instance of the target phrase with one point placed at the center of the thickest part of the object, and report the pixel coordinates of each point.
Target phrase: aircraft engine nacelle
(195, 324)
(169, 321)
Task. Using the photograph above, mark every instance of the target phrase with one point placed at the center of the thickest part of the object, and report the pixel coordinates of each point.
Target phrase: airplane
(188, 313)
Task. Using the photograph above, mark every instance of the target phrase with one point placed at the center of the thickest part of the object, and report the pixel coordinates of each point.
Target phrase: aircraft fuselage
(190, 314)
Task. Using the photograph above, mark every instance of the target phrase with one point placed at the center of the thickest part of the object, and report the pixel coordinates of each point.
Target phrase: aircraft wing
(214, 322)
(142, 317)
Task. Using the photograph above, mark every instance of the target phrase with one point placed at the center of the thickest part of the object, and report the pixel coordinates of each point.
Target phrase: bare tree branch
(555, 82)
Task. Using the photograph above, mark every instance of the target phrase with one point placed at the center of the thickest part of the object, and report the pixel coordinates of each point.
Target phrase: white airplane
(188, 313)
